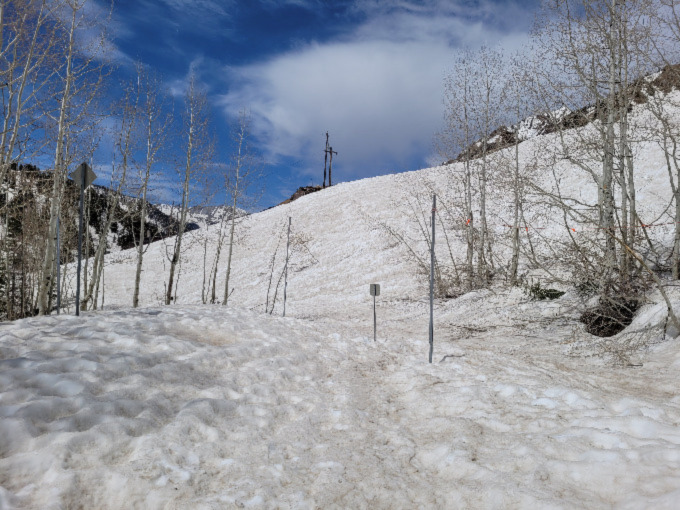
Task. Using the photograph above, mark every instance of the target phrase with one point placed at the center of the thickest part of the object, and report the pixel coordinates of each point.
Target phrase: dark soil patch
(610, 317)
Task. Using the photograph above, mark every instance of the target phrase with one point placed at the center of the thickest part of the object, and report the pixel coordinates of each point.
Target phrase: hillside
(29, 186)
(207, 406)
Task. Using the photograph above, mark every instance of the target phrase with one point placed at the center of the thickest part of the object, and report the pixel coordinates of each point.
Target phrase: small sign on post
(58, 269)
(375, 291)
(83, 176)
(83, 180)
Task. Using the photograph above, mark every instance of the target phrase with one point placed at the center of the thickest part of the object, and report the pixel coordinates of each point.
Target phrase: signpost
(375, 291)
(58, 268)
(83, 176)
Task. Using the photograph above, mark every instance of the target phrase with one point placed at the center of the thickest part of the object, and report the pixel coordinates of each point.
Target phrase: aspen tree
(591, 52)
(198, 153)
(458, 136)
(27, 41)
(124, 148)
(155, 129)
(473, 106)
(244, 170)
(81, 74)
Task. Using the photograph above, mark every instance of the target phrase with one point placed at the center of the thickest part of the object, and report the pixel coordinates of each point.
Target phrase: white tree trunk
(48, 267)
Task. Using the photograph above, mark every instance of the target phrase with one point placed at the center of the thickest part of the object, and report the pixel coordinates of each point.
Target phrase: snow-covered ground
(200, 406)
(195, 406)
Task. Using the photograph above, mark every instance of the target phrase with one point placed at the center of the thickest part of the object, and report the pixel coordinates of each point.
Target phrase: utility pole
(325, 160)
(330, 165)
(328, 150)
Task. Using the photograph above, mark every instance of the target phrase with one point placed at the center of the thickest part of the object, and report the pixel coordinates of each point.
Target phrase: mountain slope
(212, 406)
(351, 235)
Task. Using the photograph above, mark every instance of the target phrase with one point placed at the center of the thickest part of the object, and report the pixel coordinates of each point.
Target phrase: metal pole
(434, 209)
(58, 269)
(80, 237)
(285, 281)
(375, 326)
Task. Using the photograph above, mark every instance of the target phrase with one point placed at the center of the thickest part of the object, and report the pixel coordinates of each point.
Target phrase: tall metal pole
(80, 236)
(434, 209)
(285, 281)
(375, 324)
(58, 269)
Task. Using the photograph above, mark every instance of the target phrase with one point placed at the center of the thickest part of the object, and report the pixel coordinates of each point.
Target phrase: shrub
(537, 293)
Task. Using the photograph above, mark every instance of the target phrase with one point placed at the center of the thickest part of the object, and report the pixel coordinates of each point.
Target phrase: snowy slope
(199, 406)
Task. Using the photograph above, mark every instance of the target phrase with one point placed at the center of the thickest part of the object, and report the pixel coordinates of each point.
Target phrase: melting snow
(196, 406)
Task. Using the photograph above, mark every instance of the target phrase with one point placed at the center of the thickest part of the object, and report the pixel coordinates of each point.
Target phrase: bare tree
(473, 108)
(27, 44)
(122, 163)
(197, 156)
(490, 101)
(156, 126)
(458, 134)
(244, 170)
(665, 24)
(28, 37)
(81, 73)
(589, 50)
(518, 82)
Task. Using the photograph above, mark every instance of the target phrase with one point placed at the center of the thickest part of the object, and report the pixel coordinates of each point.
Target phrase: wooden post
(330, 166)
(325, 160)
(328, 150)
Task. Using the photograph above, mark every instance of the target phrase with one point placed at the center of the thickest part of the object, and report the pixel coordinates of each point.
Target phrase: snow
(204, 406)
(199, 406)
(208, 407)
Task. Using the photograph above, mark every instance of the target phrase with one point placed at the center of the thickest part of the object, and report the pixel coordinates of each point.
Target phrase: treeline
(608, 68)
(26, 226)
(57, 71)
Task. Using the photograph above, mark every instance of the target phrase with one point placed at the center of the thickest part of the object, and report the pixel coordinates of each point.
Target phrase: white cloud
(376, 98)
(95, 29)
(378, 92)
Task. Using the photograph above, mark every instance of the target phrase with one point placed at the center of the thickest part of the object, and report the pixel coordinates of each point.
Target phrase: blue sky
(368, 71)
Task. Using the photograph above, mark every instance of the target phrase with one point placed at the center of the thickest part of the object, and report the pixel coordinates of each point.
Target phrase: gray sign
(77, 175)
(375, 289)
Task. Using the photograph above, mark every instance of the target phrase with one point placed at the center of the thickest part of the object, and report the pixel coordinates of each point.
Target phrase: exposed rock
(301, 192)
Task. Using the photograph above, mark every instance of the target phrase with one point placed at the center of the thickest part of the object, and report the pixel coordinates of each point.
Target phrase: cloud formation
(377, 88)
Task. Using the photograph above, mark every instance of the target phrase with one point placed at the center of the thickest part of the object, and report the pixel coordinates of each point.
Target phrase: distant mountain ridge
(638, 92)
(29, 187)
